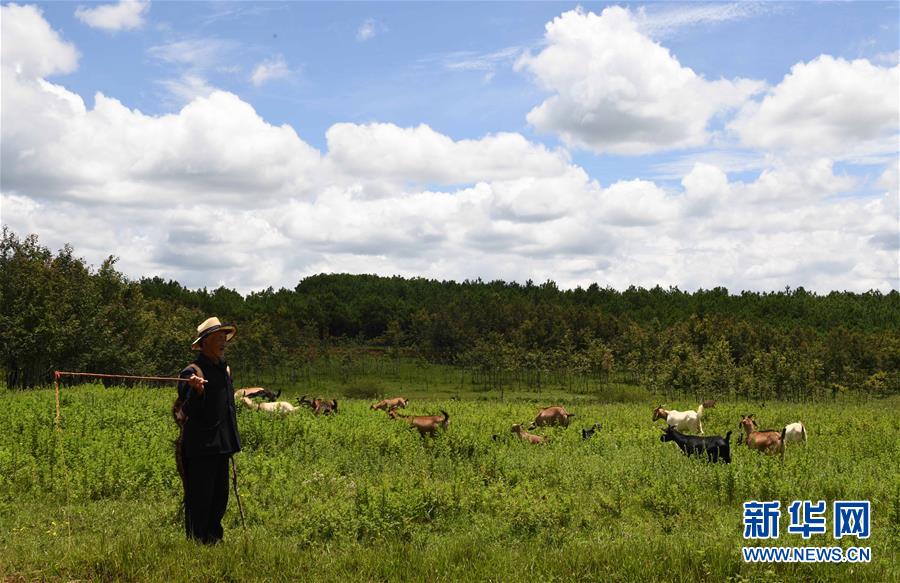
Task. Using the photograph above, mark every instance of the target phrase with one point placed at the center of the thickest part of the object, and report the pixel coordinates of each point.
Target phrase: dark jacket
(211, 426)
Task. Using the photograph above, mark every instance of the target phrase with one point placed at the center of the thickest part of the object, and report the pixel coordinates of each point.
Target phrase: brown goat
(552, 416)
(768, 441)
(529, 437)
(388, 404)
(425, 424)
(319, 406)
(709, 404)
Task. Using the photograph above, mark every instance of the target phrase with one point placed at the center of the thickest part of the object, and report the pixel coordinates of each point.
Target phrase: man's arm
(191, 390)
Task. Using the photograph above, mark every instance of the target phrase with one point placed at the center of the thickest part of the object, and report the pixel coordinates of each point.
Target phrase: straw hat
(208, 327)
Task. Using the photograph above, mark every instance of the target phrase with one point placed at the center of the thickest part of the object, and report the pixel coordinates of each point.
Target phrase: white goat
(681, 420)
(276, 407)
(795, 433)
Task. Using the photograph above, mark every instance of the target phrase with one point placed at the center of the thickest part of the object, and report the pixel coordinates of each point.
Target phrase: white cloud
(198, 53)
(470, 61)
(30, 48)
(126, 15)
(213, 193)
(188, 87)
(827, 107)
(366, 30)
(381, 151)
(616, 90)
(275, 68)
(889, 59)
(664, 19)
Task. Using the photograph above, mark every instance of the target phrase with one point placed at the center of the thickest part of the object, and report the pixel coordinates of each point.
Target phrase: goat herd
(716, 448)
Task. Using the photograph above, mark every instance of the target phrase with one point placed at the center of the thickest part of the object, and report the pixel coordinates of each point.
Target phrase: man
(209, 432)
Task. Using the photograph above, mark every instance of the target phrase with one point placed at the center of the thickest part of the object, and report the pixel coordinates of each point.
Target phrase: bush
(364, 389)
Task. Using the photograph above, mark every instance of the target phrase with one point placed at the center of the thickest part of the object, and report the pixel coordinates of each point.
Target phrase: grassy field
(358, 497)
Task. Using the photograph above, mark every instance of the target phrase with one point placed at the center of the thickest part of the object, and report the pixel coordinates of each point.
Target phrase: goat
(387, 404)
(319, 406)
(589, 433)
(253, 392)
(709, 404)
(768, 441)
(425, 424)
(681, 420)
(794, 433)
(529, 437)
(552, 416)
(715, 447)
(276, 407)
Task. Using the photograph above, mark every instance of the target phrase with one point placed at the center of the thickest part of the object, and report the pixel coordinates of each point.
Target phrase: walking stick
(236, 494)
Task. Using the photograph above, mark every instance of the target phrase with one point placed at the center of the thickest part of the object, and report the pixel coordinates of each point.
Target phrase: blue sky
(668, 130)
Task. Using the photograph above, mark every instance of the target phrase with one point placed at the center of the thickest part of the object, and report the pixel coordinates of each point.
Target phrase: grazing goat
(387, 404)
(529, 437)
(276, 407)
(794, 433)
(319, 406)
(709, 404)
(254, 392)
(715, 448)
(425, 424)
(552, 416)
(768, 441)
(681, 420)
(589, 433)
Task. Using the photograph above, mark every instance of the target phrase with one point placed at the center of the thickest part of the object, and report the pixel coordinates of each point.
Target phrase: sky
(750, 145)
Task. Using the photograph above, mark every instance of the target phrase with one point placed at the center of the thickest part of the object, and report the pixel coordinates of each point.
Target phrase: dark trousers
(206, 497)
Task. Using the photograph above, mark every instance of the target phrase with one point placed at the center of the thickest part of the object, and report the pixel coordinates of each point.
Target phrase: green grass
(358, 497)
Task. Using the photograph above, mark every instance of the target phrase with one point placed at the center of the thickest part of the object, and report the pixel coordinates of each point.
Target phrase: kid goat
(529, 437)
(589, 433)
(681, 420)
(319, 406)
(276, 407)
(552, 416)
(795, 433)
(388, 404)
(768, 441)
(715, 448)
(425, 424)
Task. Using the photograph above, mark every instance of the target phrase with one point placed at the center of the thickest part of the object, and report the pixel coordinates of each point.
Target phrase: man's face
(214, 345)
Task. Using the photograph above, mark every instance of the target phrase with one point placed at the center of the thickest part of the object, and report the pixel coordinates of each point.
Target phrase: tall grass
(358, 497)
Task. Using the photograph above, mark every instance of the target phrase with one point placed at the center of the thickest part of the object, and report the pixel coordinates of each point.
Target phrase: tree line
(57, 312)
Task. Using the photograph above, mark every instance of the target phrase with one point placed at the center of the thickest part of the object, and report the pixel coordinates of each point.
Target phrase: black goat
(716, 448)
(589, 433)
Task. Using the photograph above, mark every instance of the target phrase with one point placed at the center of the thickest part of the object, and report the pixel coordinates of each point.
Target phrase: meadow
(359, 497)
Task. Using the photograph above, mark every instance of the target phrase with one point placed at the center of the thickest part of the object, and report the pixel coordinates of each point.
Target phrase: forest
(57, 312)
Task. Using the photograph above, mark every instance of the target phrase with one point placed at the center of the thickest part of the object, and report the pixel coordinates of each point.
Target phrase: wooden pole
(56, 386)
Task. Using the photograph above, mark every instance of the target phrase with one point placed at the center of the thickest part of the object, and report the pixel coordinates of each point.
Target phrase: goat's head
(747, 423)
(517, 428)
(660, 413)
(588, 433)
(667, 434)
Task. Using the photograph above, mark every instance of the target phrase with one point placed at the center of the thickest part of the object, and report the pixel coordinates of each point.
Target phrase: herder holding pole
(205, 410)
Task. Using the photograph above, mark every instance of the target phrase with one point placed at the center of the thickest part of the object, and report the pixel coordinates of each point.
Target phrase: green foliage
(56, 313)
